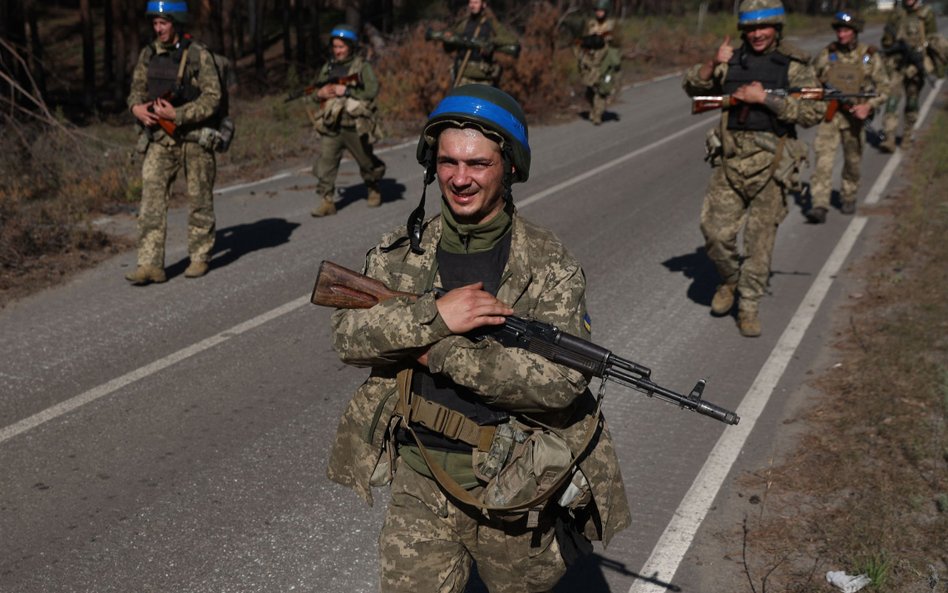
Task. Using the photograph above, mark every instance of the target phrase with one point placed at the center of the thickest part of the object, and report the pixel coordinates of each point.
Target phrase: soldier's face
(164, 29)
(600, 14)
(475, 6)
(761, 37)
(845, 35)
(470, 173)
(340, 49)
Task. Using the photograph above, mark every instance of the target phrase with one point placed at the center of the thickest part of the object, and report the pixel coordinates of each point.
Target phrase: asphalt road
(174, 437)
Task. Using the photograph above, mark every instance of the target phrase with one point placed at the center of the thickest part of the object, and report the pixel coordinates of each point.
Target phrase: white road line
(140, 373)
(680, 532)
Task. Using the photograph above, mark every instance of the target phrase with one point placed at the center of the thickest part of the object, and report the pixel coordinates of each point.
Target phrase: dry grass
(867, 490)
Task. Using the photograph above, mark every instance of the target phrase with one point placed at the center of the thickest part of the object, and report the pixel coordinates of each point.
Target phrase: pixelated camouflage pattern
(843, 128)
(541, 280)
(917, 27)
(160, 168)
(743, 191)
(165, 157)
(599, 68)
(428, 544)
(358, 109)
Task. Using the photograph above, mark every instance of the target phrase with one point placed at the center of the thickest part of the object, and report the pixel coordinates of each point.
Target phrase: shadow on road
(392, 191)
(698, 267)
(234, 242)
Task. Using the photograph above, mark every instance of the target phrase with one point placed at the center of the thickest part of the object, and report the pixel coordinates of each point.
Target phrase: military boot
(848, 207)
(196, 269)
(375, 197)
(723, 300)
(816, 215)
(326, 208)
(146, 275)
(748, 322)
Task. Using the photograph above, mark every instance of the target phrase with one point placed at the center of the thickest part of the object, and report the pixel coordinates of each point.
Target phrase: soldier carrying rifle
(851, 67)
(754, 152)
(474, 39)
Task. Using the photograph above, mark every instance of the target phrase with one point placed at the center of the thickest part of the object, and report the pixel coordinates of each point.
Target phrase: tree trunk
(88, 55)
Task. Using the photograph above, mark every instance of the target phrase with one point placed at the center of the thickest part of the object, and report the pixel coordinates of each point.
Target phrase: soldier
(599, 61)
(492, 263)
(907, 33)
(175, 95)
(347, 120)
(851, 67)
(754, 152)
(474, 40)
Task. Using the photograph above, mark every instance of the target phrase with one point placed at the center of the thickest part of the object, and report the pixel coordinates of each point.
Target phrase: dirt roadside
(855, 477)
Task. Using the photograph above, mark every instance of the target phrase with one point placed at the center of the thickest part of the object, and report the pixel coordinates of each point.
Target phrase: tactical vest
(458, 270)
(847, 76)
(162, 78)
(772, 70)
(485, 33)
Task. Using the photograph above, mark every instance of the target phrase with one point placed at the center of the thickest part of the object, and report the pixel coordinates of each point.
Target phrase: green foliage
(877, 567)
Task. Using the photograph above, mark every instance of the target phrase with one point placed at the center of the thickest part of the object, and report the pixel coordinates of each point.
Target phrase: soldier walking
(851, 67)
(599, 61)
(905, 40)
(176, 96)
(754, 152)
(347, 120)
(439, 413)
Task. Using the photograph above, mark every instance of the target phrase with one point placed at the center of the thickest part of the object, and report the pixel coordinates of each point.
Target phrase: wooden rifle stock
(343, 288)
(165, 124)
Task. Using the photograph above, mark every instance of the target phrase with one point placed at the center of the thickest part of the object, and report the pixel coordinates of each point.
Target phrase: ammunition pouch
(217, 140)
(713, 147)
(144, 139)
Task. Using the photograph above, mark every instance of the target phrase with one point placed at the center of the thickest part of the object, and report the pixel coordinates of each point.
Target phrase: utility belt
(443, 421)
(215, 139)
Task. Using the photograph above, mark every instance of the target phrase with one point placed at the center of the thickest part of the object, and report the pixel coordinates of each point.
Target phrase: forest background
(67, 149)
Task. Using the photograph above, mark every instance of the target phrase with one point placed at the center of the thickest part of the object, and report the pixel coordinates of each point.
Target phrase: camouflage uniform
(851, 70)
(479, 66)
(348, 123)
(917, 27)
(752, 172)
(429, 540)
(599, 67)
(165, 156)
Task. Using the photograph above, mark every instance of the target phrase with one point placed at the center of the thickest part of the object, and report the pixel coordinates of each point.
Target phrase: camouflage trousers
(598, 103)
(331, 148)
(159, 170)
(902, 84)
(829, 135)
(428, 543)
(724, 213)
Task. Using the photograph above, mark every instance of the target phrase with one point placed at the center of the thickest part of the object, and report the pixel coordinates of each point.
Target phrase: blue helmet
(346, 33)
(175, 11)
(494, 112)
(752, 13)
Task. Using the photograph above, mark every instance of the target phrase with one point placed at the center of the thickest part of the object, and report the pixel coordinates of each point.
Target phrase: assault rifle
(910, 56)
(354, 79)
(342, 288)
(167, 125)
(708, 103)
(452, 41)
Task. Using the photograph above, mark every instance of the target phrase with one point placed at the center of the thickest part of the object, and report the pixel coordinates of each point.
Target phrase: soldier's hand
(725, 52)
(470, 307)
(164, 109)
(861, 111)
(144, 114)
(750, 93)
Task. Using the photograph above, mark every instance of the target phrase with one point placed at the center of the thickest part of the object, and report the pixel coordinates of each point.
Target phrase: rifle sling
(449, 485)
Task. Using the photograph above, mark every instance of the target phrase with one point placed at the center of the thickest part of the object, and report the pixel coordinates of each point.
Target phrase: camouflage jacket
(916, 27)
(749, 157)
(357, 108)
(595, 64)
(541, 280)
(200, 71)
(861, 68)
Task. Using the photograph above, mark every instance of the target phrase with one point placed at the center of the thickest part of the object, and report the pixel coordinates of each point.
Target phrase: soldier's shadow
(391, 190)
(588, 575)
(232, 243)
(696, 266)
